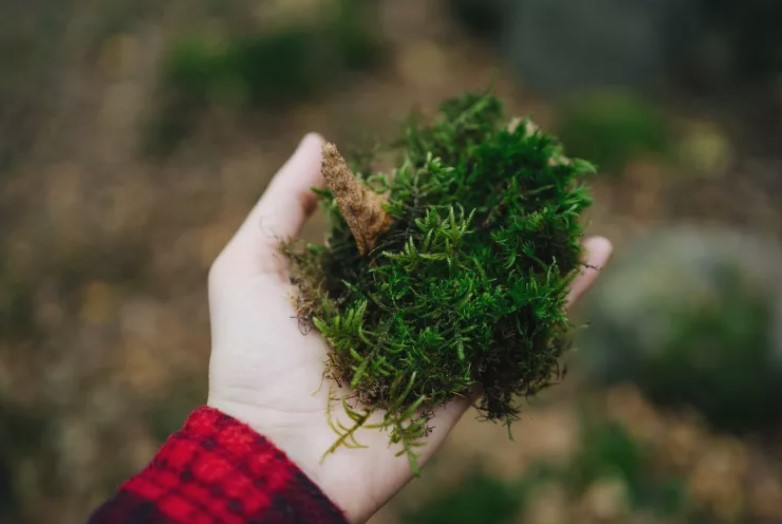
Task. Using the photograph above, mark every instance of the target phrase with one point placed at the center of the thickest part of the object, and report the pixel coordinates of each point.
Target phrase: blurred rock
(693, 316)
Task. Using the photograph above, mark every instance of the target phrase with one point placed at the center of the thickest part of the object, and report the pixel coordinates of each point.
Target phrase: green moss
(466, 291)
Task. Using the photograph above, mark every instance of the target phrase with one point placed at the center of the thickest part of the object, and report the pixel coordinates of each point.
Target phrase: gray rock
(694, 317)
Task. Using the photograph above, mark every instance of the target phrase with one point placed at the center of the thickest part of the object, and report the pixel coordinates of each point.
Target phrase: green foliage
(613, 128)
(478, 499)
(691, 317)
(466, 291)
(258, 69)
(352, 32)
(607, 452)
(269, 69)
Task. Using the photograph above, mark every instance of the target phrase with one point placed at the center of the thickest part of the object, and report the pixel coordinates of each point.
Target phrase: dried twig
(361, 207)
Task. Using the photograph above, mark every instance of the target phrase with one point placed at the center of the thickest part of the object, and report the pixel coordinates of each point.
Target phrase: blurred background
(136, 134)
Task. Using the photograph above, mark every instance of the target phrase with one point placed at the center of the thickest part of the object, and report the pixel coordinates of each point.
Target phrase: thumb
(279, 214)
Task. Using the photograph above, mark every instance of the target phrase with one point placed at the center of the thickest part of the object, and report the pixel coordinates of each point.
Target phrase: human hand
(264, 372)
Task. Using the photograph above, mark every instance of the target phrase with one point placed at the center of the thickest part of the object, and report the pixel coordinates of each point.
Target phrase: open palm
(266, 373)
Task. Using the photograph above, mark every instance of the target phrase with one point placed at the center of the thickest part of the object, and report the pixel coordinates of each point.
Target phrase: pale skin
(266, 373)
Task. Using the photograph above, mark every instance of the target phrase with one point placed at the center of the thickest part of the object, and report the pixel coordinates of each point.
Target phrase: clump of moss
(462, 290)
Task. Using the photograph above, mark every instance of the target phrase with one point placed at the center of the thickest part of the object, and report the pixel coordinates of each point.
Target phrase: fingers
(598, 251)
(279, 214)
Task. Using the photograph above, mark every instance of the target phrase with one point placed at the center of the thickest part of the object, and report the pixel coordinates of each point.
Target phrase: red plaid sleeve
(217, 469)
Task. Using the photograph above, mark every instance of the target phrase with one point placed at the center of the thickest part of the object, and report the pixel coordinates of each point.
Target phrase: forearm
(217, 469)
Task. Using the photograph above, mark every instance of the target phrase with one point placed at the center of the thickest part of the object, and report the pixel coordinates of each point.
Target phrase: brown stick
(361, 207)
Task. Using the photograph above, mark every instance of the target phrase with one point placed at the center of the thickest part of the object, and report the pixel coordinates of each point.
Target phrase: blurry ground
(104, 250)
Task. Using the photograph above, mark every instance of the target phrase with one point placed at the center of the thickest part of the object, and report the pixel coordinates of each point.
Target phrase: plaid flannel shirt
(218, 470)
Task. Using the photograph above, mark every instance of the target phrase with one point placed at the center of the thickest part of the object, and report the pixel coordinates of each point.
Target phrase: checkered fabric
(218, 470)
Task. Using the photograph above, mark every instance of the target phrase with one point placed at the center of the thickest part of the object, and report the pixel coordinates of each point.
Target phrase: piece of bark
(361, 207)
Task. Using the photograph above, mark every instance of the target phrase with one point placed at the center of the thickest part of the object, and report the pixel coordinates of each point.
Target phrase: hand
(264, 372)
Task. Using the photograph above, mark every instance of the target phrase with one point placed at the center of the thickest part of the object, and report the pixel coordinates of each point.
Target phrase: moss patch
(464, 292)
